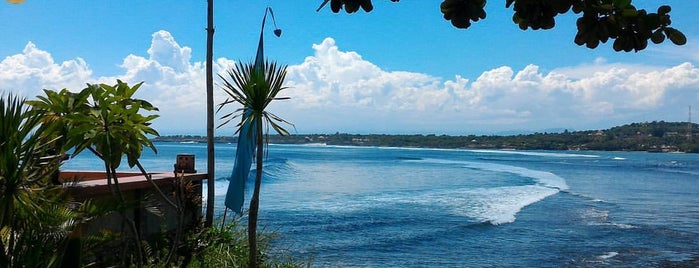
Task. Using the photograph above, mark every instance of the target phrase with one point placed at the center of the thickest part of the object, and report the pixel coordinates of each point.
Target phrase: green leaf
(629, 13)
(657, 37)
(675, 36)
(622, 3)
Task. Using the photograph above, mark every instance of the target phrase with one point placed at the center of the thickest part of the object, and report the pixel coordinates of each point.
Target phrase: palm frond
(254, 89)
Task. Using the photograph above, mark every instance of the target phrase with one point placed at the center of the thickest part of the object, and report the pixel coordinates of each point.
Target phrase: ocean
(408, 207)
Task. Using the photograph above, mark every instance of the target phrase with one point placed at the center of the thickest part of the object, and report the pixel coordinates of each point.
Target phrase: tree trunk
(255, 201)
(210, 114)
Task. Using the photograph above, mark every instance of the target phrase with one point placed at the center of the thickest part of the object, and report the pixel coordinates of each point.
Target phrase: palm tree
(255, 87)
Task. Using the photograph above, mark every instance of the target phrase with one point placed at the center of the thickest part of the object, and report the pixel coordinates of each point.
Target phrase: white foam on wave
(608, 255)
(545, 154)
(543, 178)
(594, 215)
(622, 225)
(618, 158)
(589, 198)
(412, 148)
(496, 206)
(316, 144)
(220, 189)
(679, 171)
(499, 205)
(600, 217)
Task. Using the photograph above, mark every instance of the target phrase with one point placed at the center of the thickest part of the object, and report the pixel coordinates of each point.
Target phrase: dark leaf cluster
(538, 14)
(630, 28)
(462, 12)
(600, 20)
(350, 6)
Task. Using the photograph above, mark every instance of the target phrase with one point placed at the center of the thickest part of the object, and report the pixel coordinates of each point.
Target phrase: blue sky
(399, 69)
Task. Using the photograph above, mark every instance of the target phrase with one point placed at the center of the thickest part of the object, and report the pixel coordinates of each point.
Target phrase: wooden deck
(94, 183)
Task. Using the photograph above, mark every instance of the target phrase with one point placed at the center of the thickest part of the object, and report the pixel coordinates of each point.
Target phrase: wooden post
(210, 114)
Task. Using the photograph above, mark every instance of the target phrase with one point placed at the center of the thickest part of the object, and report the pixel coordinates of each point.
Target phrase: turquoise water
(394, 207)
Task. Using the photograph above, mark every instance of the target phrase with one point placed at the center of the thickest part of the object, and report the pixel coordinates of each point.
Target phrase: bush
(225, 246)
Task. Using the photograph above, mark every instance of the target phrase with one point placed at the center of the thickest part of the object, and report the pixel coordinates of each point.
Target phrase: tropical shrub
(32, 210)
(107, 121)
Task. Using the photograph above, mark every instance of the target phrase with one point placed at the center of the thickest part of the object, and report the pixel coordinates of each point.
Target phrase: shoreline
(476, 149)
(666, 137)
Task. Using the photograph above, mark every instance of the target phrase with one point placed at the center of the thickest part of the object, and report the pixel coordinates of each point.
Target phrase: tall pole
(210, 114)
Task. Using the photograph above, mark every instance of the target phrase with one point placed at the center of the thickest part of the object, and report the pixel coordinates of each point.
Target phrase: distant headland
(656, 136)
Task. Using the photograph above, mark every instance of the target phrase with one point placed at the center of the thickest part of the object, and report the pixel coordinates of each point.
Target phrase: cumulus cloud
(172, 82)
(342, 85)
(34, 69)
(165, 50)
(335, 90)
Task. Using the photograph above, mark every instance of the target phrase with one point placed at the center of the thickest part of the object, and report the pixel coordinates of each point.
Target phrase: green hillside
(649, 136)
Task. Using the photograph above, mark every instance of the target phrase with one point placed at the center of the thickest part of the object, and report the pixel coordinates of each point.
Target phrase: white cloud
(171, 81)
(341, 84)
(165, 50)
(34, 69)
(335, 90)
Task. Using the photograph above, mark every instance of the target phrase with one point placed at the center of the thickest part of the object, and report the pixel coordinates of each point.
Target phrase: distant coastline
(656, 136)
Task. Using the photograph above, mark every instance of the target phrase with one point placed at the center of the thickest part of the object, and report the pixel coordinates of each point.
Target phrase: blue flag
(235, 195)
(241, 169)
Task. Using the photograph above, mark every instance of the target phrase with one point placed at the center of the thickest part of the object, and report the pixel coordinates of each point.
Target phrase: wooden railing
(93, 183)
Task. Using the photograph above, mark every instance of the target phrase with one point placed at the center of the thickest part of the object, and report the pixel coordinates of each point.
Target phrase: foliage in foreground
(24, 201)
(105, 120)
(40, 226)
(227, 246)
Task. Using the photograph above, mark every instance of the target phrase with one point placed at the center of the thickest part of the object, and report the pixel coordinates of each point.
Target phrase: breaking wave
(495, 205)
(498, 205)
(530, 153)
